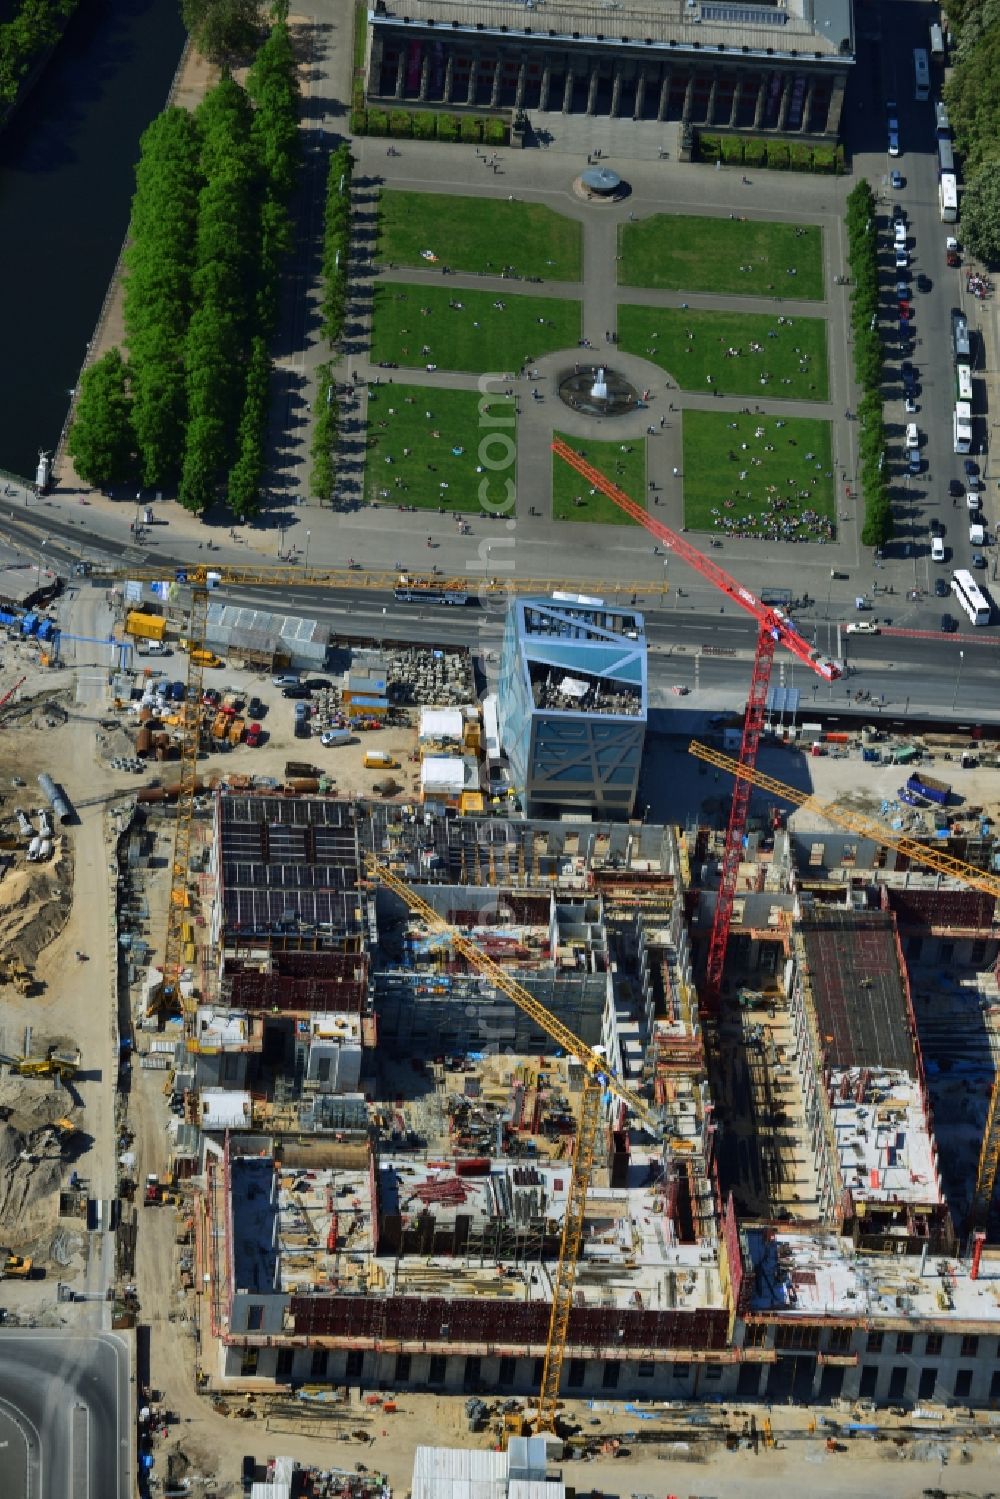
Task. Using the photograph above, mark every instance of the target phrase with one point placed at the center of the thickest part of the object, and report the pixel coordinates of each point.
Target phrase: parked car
(905, 310)
(937, 553)
(973, 499)
(317, 684)
(302, 728)
(978, 560)
(924, 283)
(899, 231)
(912, 435)
(910, 406)
(255, 734)
(897, 181)
(303, 710)
(941, 587)
(211, 697)
(893, 142)
(971, 468)
(902, 259)
(937, 527)
(956, 487)
(296, 691)
(949, 623)
(255, 708)
(864, 627)
(286, 679)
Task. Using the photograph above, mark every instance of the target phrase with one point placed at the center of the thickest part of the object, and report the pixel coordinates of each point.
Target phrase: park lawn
(474, 335)
(478, 234)
(681, 253)
(792, 365)
(416, 477)
(714, 459)
(624, 463)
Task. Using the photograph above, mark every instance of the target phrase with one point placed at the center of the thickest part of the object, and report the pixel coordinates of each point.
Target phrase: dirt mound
(30, 1175)
(35, 904)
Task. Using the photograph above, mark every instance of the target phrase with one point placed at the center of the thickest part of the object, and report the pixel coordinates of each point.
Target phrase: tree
(101, 439)
(981, 214)
(222, 29)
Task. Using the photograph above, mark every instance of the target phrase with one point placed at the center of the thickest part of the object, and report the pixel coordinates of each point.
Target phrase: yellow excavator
(14, 1266)
(54, 1063)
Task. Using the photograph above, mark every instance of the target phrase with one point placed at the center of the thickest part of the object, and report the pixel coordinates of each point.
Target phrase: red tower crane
(774, 629)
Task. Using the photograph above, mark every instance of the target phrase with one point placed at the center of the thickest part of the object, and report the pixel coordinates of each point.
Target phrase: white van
(34, 850)
(937, 549)
(900, 233)
(973, 500)
(977, 534)
(912, 435)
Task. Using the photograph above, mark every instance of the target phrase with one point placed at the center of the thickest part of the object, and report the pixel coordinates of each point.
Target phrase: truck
(413, 590)
(921, 784)
(145, 626)
(301, 770)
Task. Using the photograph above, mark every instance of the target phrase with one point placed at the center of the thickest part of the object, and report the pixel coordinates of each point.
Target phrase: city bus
(941, 121)
(948, 197)
(971, 597)
(963, 377)
(961, 424)
(946, 158)
(936, 47)
(921, 75)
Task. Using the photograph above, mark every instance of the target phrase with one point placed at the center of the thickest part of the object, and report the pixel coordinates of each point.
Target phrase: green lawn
(467, 330)
(478, 234)
(791, 364)
(624, 463)
(789, 466)
(421, 429)
(678, 253)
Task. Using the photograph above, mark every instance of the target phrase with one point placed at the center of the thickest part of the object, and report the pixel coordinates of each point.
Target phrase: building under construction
(384, 1204)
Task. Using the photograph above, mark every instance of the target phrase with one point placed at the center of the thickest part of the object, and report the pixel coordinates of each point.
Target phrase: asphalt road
(66, 1399)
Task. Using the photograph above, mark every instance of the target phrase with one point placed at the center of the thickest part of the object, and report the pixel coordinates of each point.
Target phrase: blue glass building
(572, 704)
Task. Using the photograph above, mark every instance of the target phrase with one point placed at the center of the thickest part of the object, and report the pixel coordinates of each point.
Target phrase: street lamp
(307, 552)
(281, 540)
(958, 680)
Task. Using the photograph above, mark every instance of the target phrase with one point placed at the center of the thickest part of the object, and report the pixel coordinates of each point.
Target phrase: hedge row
(427, 125)
(336, 242)
(762, 151)
(324, 435)
(862, 252)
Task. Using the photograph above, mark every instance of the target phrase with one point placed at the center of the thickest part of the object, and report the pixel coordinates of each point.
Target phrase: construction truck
(54, 1064)
(13, 971)
(14, 1266)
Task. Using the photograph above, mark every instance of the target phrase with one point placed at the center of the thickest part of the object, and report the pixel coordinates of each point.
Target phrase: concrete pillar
(497, 76)
(522, 78)
(595, 75)
(640, 94)
(786, 99)
(688, 98)
(568, 91)
(400, 74)
(425, 72)
(545, 85)
(836, 108)
(758, 113)
(734, 113)
(449, 69)
(807, 105)
(664, 103)
(616, 90)
(710, 111)
(375, 63)
(470, 97)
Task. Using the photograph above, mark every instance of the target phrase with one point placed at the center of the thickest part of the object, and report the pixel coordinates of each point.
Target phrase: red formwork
(325, 983)
(437, 1321)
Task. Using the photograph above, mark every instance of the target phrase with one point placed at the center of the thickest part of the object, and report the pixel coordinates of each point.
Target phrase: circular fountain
(595, 390)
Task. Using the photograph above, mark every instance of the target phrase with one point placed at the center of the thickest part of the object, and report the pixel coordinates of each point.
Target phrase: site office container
(145, 626)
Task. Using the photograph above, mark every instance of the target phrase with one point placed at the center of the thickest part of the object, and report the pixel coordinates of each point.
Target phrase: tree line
(25, 38)
(973, 102)
(862, 241)
(209, 229)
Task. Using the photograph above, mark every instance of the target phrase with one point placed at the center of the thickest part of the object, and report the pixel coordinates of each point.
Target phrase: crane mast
(774, 629)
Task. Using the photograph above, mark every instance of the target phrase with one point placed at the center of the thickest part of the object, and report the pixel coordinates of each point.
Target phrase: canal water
(66, 179)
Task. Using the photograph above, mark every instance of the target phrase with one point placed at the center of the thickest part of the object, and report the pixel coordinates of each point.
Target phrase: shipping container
(145, 626)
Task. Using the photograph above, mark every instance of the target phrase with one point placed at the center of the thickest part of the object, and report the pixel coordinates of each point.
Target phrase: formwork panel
(858, 989)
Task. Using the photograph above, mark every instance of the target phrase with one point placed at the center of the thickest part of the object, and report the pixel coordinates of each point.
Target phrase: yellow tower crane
(918, 853)
(598, 1079)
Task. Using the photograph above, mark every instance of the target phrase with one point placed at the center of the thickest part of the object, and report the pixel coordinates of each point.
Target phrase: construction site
(422, 1093)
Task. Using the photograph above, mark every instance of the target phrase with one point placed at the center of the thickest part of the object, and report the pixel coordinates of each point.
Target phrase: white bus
(971, 597)
(962, 427)
(921, 75)
(963, 377)
(936, 43)
(948, 197)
